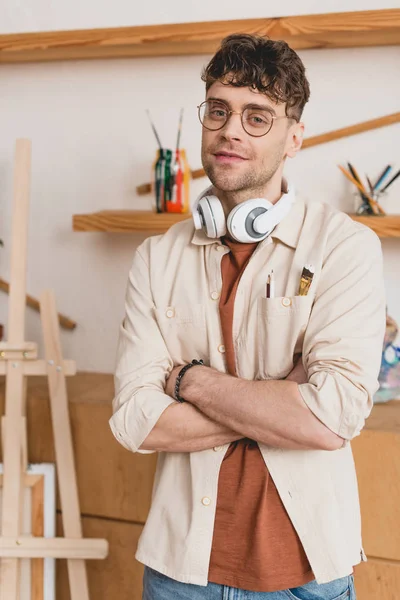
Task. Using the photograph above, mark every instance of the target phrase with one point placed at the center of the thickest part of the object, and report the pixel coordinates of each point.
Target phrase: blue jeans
(157, 586)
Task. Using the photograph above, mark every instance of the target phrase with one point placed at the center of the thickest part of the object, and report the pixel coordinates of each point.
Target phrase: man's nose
(233, 129)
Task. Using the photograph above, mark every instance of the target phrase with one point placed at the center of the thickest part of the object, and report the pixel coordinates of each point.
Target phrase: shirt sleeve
(343, 342)
(143, 364)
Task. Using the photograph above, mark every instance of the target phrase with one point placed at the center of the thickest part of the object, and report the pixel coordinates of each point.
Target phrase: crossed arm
(341, 353)
(220, 409)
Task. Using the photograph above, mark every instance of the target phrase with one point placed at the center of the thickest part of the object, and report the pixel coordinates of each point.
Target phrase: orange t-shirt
(255, 546)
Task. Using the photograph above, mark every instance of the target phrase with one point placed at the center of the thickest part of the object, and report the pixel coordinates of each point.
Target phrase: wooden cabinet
(119, 576)
(377, 457)
(115, 489)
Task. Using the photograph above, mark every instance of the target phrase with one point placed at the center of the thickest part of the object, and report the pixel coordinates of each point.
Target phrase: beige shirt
(172, 317)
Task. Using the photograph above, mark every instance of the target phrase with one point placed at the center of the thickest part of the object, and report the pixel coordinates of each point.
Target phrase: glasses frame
(235, 112)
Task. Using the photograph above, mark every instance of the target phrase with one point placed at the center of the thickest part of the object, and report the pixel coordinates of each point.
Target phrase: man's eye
(218, 112)
(258, 119)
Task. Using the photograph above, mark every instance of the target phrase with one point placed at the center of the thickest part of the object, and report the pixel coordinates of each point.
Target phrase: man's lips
(228, 157)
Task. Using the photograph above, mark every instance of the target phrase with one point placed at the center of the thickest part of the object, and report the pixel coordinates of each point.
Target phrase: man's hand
(298, 373)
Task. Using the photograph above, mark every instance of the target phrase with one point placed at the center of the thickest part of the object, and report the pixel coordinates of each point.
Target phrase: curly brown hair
(271, 67)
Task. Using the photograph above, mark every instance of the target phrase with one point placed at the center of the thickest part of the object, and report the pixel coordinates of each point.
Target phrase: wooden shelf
(140, 221)
(127, 221)
(384, 227)
(332, 30)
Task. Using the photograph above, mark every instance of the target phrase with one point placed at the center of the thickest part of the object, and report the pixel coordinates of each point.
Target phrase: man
(255, 495)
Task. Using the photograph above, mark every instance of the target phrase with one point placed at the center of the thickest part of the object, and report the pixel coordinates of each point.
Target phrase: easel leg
(13, 484)
(12, 447)
(63, 442)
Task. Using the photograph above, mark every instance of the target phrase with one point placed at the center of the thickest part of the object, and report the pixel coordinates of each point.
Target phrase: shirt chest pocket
(281, 323)
(184, 331)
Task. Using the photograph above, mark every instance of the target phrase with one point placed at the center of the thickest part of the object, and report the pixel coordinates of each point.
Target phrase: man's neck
(272, 193)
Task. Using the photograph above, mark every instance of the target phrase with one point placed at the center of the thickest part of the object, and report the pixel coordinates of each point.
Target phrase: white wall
(92, 145)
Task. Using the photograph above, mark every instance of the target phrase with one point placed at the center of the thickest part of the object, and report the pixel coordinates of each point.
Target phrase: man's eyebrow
(249, 105)
(219, 100)
(262, 107)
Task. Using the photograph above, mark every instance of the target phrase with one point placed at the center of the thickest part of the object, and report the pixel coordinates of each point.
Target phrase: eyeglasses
(257, 122)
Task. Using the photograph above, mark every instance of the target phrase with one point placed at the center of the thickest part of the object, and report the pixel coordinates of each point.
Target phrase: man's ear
(295, 139)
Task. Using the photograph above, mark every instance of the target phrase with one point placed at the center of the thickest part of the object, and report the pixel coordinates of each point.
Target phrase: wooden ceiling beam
(329, 30)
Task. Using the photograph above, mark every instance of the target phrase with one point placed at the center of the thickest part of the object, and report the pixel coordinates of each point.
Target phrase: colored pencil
(154, 130)
(357, 178)
(371, 187)
(391, 181)
(382, 176)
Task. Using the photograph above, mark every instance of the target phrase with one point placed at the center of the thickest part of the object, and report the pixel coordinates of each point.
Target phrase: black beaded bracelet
(181, 374)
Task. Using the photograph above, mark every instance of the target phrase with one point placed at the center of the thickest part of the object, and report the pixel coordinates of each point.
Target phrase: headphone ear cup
(240, 220)
(255, 219)
(212, 216)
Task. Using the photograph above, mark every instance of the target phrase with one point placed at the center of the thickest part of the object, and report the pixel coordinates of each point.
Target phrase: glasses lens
(213, 115)
(256, 121)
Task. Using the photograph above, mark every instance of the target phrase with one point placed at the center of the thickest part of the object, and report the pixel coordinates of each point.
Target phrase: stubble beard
(252, 181)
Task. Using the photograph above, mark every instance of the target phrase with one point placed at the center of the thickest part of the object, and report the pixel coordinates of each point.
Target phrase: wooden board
(377, 580)
(138, 221)
(384, 227)
(76, 550)
(119, 576)
(65, 456)
(13, 424)
(127, 221)
(37, 564)
(115, 483)
(377, 459)
(106, 485)
(38, 574)
(112, 482)
(332, 30)
(385, 417)
(33, 303)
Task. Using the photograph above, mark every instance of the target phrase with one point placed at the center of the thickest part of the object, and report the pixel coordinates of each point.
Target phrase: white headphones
(250, 221)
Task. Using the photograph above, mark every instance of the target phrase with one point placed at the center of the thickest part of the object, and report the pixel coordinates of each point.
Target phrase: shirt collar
(287, 231)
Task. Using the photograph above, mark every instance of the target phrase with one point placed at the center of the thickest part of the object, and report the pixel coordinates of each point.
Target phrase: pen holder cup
(363, 207)
(170, 181)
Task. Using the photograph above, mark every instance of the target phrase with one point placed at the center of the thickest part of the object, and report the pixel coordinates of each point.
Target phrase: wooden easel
(18, 359)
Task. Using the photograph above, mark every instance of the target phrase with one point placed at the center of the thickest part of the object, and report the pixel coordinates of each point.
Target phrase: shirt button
(170, 313)
(221, 248)
(286, 301)
(215, 295)
(221, 348)
(217, 448)
(206, 501)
